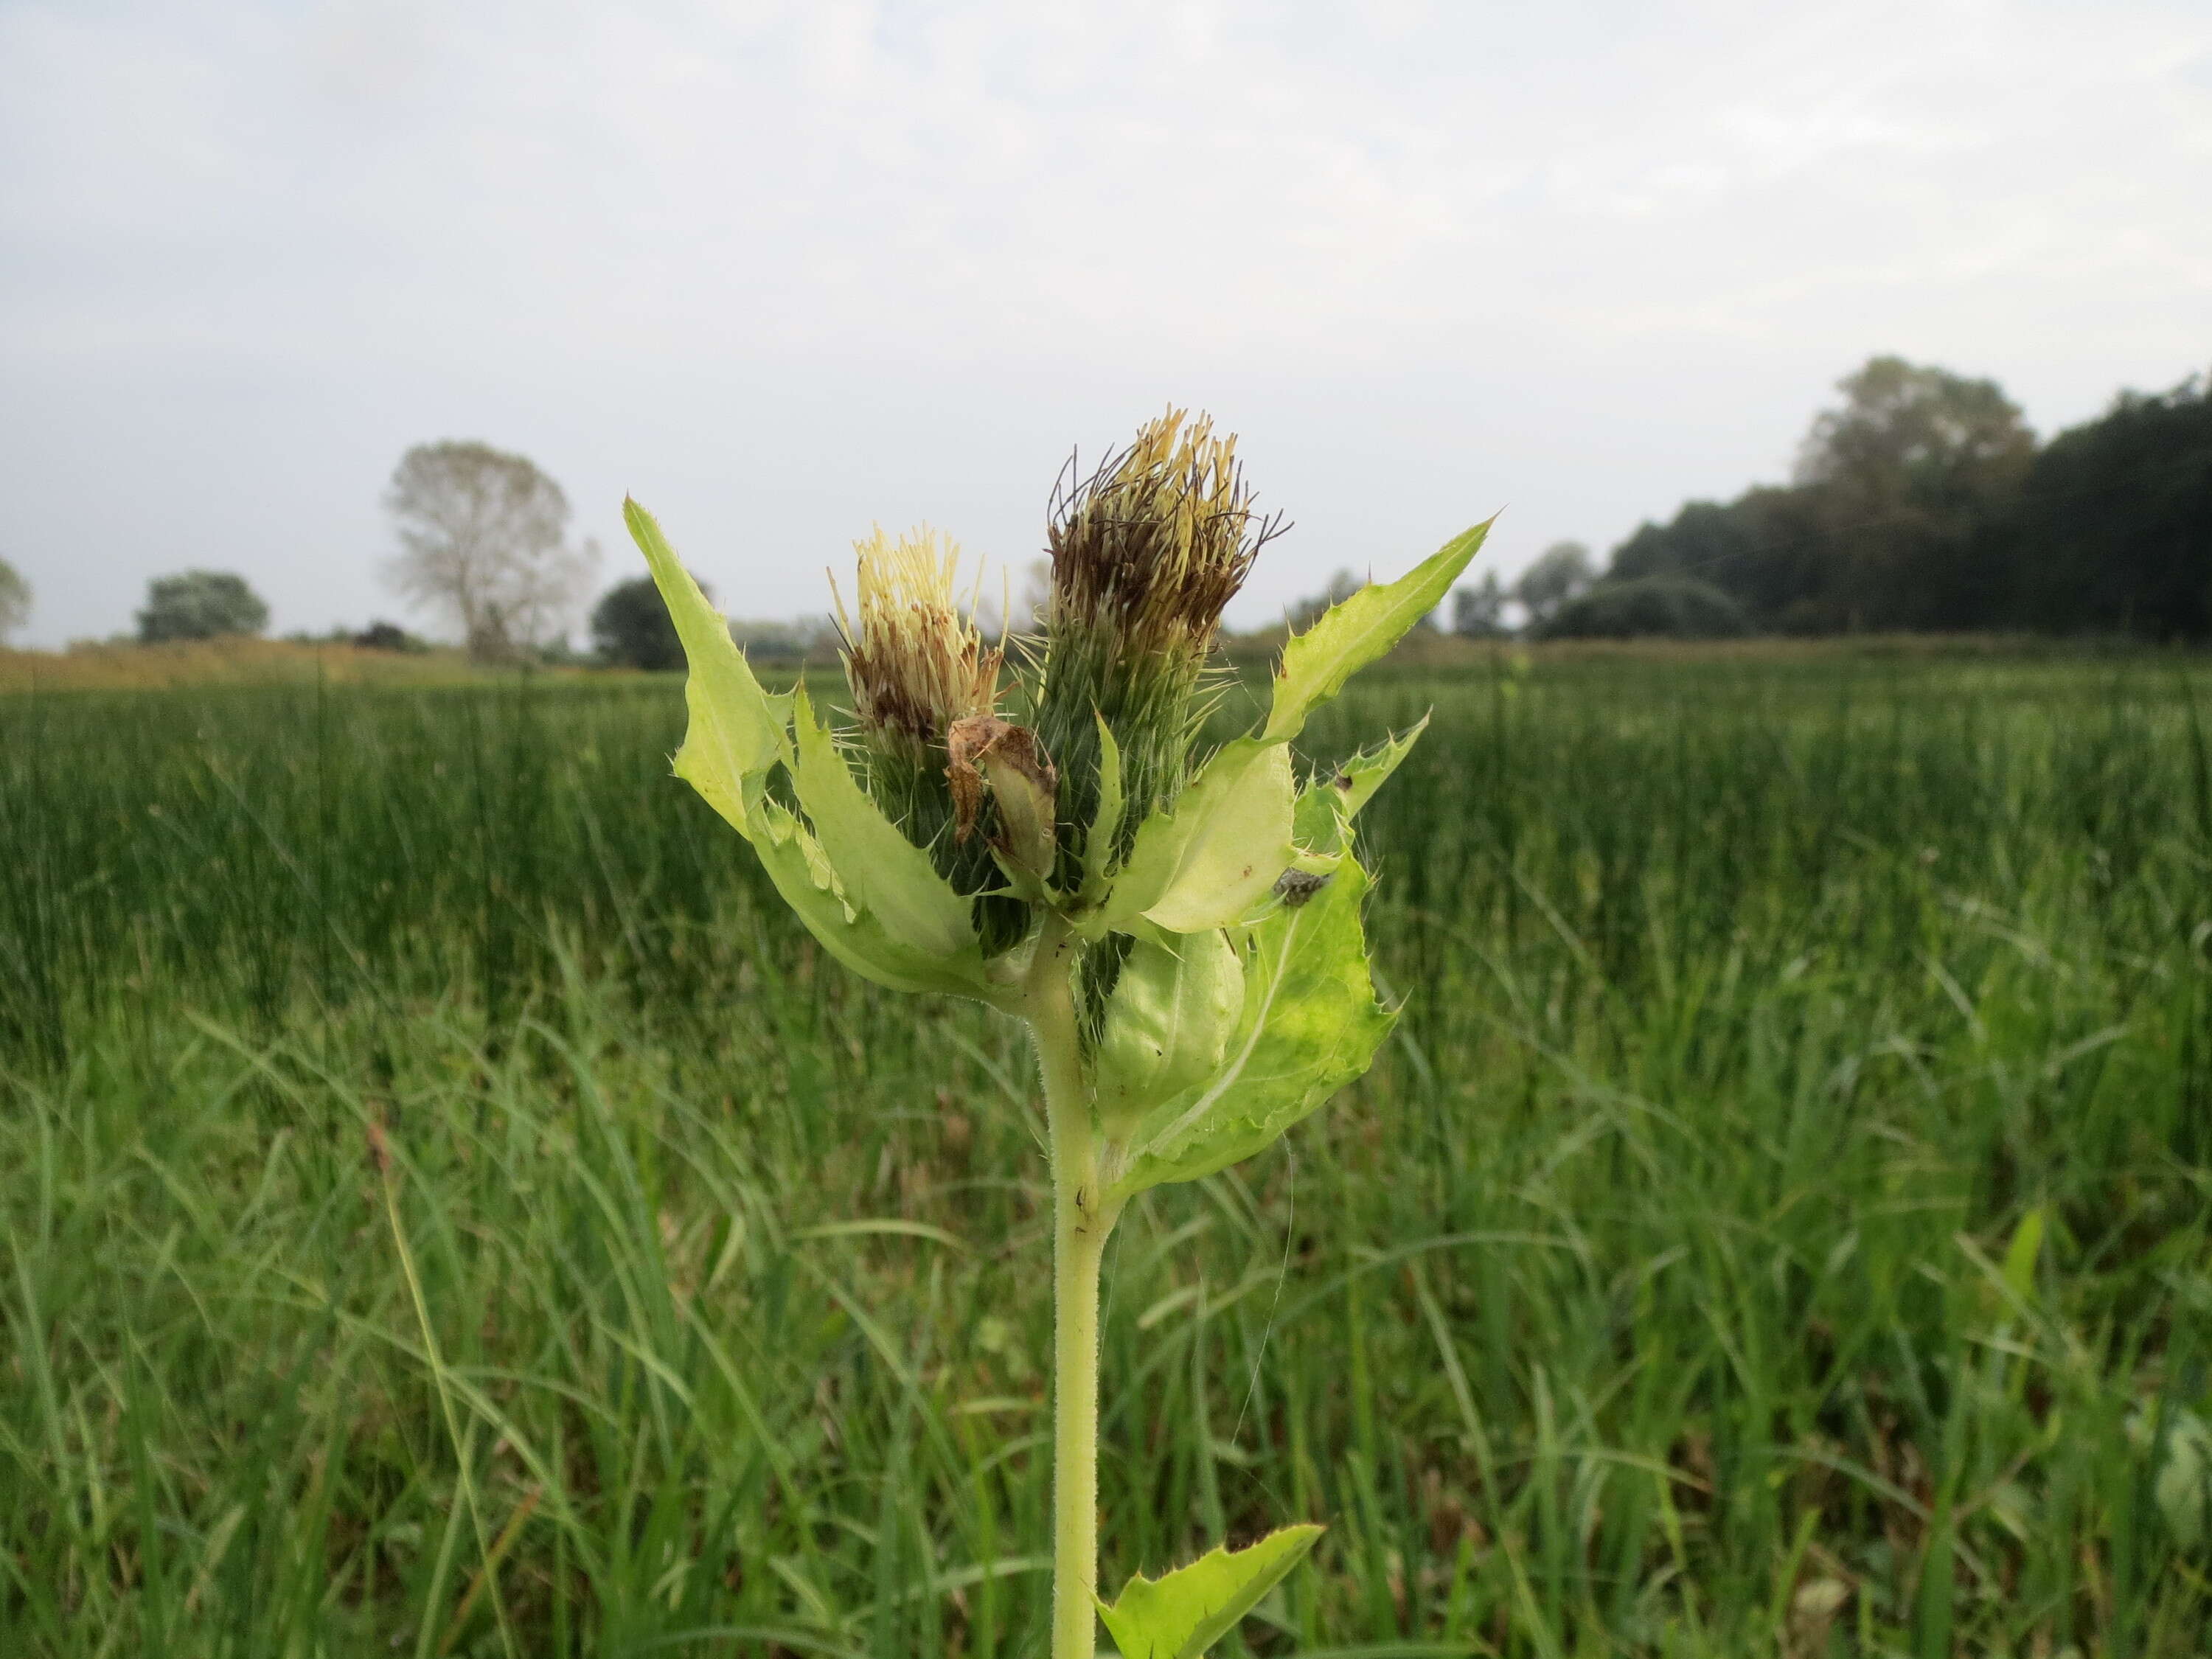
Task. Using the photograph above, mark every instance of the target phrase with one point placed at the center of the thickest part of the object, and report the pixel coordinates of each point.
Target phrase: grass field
(447, 1209)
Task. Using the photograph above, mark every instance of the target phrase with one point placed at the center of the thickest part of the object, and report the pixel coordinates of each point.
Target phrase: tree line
(1923, 502)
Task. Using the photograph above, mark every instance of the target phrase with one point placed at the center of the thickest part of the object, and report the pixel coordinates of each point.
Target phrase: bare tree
(484, 536)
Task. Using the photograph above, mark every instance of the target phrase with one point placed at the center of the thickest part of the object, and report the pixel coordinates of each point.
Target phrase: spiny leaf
(802, 873)
(1310, 1024)
(1211, 858)
(1317, 663)
(1332, 800)
(1182, 1614)
(1106, 827)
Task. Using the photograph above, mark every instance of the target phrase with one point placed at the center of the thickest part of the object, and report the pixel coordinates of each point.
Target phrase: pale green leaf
(879, 870)
(1317, 663)
(1182, 1614)
(1167, 1024)
(1311, 1024)
(856, 937)
(736, 731)
(1332, 800)
(1207, 861)
(1214, 857)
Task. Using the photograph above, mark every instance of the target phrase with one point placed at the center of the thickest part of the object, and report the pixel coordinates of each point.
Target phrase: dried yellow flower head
(918, 668)
(914, 658)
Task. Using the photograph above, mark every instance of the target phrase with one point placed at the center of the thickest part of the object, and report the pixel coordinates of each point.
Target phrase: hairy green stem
(1080, 1223)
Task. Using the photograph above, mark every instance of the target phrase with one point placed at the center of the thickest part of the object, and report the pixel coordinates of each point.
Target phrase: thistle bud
(1145, 553)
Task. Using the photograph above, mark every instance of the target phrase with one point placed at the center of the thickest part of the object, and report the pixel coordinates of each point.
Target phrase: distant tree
(386, 636)
(1560, 571)
(1903, 478)
(630, 628)
(200, 605)
(1888, 523)
(1669, 607)
(2112, 532)
(1770, 548)
(1911, 432)
(15, 599)
(484, 536)
(1477, 612)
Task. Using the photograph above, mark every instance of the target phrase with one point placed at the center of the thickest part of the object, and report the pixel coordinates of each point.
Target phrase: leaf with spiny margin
(1215, 853)
(1168, 1022)
(1332, 800)
(1350, 635)
(1310, 1024)
(736, 735)
(1180, 1615)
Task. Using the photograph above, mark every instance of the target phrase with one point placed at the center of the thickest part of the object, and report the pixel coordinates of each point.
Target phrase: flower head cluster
(1202, 909)
(914, 657)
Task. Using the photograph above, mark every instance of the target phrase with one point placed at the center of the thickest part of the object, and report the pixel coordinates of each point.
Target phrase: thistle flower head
(914, 659)
(1152, 545)
(1146, 552)
(918, 667)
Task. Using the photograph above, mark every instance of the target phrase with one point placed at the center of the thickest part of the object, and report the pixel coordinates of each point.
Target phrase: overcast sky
(785, 270)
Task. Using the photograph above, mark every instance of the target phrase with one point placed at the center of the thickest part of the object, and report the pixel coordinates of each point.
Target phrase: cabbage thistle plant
(1178, 928)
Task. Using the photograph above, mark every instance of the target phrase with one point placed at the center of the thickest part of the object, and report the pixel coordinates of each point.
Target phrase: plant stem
(1080, 1223)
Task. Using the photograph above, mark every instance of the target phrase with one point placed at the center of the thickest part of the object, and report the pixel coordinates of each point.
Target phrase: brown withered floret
(970, 742)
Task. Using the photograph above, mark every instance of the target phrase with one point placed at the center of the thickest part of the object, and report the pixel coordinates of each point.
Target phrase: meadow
(447, 1207)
